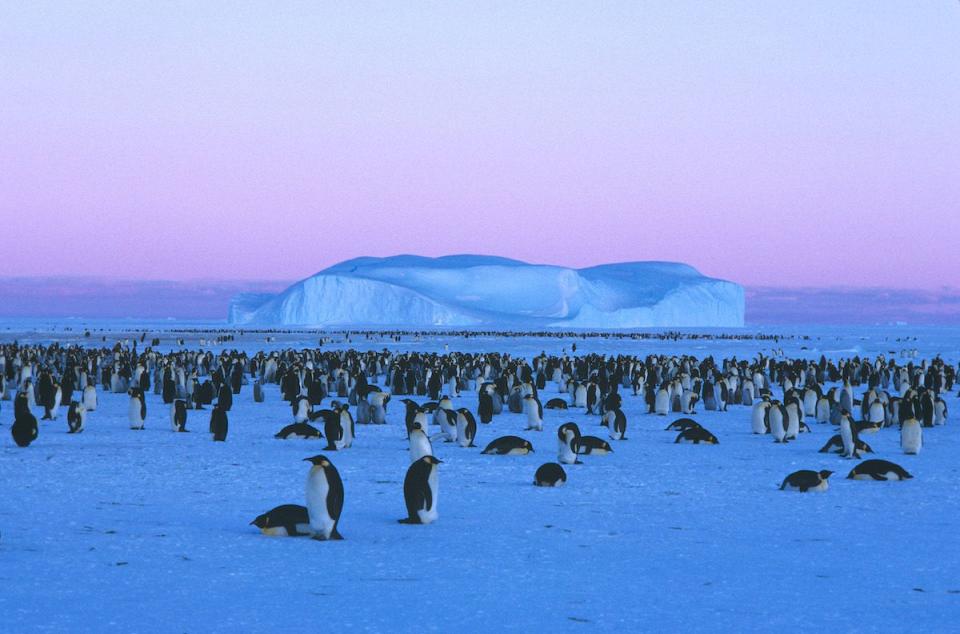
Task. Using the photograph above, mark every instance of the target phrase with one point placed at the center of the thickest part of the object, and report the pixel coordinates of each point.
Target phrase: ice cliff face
(473, 290)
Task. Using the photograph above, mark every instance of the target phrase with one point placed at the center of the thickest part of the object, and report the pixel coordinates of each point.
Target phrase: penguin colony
(853, 398)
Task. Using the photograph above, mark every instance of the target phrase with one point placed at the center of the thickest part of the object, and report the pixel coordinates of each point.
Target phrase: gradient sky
(776, 143)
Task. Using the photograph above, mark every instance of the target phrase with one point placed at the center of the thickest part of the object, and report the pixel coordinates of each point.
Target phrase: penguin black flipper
(334, 500)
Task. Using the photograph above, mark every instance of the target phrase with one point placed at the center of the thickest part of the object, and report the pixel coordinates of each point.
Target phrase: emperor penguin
(378, 407)
(568, 441)
(849, 436)
(257, 392)
(136, 409)
(688, 402)
(420, 445)
(810, 398)
(29, 390)
(24, 430)
(346, 428)
(448, 424)
(218, 423)
(794, 419)
(420, 491)
(90, 397)
(823, 409)
(439, 418)
(876, 469)
(662, 403)
(939, 412)
(775, 418)
(616, 422)
(911, 436)
(580, 395)
(286, 520)
(549, 474)
(56, 400)
(485, 404)
(76, 418)
(178, 415)
(324, 498)
(758, 421)
(534, 411)
(508, 446)
(806, 480)
(301, 409)
(466, 427)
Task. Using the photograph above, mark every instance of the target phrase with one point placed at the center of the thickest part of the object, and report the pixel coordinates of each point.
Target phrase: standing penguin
(775, 418)
(420, 445)
(616, 422)
(90, 397)
(662, 404)
(568, 442)
(218, 423)
(76, 418)
(758, 421)
(178, 415)
(257, 392)
(911, 436)
(24, 430)
(324, 498)
(346, 428)
(136, 409)
(485, 405)
(420, 491)
(849, 436)
(466, 427)
(534, 411)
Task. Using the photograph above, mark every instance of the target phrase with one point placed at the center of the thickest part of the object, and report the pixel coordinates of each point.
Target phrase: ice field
(119, 530)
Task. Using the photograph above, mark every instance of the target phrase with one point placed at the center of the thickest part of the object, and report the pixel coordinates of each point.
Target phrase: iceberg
(488, 291)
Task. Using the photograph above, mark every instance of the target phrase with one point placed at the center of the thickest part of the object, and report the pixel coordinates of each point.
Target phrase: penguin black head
(528, 445)
(432, 460)
(825, 474)
(320, 461)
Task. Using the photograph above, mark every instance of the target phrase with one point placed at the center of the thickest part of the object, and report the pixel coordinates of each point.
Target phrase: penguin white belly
(89, 398)
(776, 425)
(810, 403)
(419, 446)
(430, 515)
(846, 435)
(317, 490)
(346, 433)
(823, 486)
(793, 424)
(533, 416)
(757, 422)
(301, 415)
(662, 403)
(580, 397)
(565, 454)
(911, 437)
(133, 413)
(57, 400)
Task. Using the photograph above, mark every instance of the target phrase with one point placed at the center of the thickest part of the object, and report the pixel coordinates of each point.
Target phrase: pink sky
(767, 143)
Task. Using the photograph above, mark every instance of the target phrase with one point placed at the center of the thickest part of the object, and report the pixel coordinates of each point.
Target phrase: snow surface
(470, 290)
(116, 530)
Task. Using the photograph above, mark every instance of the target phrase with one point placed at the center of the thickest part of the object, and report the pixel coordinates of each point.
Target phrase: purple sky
(771, 143)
